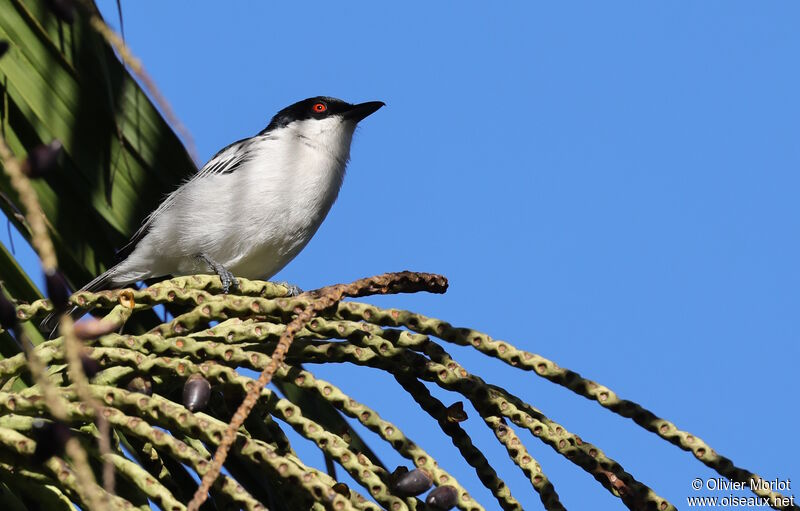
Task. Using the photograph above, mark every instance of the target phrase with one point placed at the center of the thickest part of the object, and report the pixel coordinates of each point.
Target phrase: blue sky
(611, 185)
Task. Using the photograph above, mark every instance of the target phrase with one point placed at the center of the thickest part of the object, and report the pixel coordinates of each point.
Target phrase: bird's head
(322, 120)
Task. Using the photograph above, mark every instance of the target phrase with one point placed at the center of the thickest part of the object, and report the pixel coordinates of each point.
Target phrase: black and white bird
(254, 206)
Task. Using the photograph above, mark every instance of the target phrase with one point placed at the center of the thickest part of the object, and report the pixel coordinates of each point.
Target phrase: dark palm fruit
(396, 475)
(342, 489)
(413, 483)
(63, 9)
(3, 47)
(196, 393)
(93, 328)
(456, 413)
(57, 290)
(90, 366)
(141, 385)
(443, 497)
(50, 438)
(8, 313)
(43, 159)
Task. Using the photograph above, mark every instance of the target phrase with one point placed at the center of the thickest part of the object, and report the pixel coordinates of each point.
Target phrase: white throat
(331, 135)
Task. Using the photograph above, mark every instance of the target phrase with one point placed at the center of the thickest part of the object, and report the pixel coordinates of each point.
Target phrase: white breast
(257, 218)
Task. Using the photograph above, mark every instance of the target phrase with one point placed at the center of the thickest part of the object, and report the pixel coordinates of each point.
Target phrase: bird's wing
(227, 160)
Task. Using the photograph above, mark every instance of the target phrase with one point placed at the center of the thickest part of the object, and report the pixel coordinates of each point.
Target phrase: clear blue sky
(613, 185)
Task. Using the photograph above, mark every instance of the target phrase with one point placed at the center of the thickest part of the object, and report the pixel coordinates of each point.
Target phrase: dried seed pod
(3, 47)
(42, 159)
(342, 489)
(63, 9)
(443, 497)
(90, 366)
(50, 438)
(57, 290)
(456, 413)
(126, 299)
(196, 393)
(8, 313)
(413, 483)
(142, 385)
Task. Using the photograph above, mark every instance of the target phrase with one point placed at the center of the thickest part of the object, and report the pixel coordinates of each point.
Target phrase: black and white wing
(229, 158)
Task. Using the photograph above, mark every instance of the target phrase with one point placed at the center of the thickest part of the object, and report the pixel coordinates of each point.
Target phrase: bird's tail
(104, 281)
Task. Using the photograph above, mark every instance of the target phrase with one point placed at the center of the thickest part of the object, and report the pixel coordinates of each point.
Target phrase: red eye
(319, 107)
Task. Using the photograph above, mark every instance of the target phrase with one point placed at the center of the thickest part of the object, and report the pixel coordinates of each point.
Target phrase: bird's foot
(229, 282)
(292, 290)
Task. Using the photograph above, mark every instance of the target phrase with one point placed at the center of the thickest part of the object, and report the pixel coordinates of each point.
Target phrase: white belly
(252, 221)
(256, 229)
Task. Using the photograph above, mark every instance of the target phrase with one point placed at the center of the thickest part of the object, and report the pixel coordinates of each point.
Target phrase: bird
(253, 207)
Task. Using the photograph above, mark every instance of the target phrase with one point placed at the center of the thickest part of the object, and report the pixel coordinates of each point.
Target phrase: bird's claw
(229, 282)
(291, 289)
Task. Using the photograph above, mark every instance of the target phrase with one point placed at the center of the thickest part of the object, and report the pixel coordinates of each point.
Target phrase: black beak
(362, 110)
